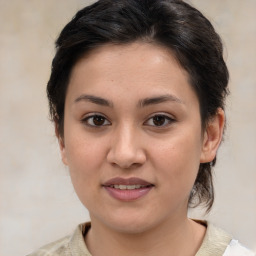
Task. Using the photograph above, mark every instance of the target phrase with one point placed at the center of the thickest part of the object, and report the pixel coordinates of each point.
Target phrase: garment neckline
(214, 243)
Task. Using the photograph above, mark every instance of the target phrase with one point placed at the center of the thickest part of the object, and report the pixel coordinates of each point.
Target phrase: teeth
(129, 187)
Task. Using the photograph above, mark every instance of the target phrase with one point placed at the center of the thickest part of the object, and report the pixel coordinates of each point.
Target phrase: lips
(130, 181)
(127, 189)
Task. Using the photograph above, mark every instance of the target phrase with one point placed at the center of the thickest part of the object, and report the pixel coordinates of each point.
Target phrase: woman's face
(132, 136)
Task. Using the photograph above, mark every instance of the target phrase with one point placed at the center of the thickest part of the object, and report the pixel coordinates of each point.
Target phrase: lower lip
(126, 194)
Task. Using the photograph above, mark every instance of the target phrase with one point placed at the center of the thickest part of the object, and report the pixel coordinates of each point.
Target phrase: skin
(129, 144)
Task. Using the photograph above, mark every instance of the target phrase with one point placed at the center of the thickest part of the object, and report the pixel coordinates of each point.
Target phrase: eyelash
(91, 117)
(167, 120)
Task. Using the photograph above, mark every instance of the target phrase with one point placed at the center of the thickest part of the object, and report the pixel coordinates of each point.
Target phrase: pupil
(159, 120)
(98, 120)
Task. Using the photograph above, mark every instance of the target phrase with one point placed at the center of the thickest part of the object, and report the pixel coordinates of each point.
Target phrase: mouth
(127, 189)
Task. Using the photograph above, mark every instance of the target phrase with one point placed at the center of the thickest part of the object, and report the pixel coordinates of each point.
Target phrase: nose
(126, 151)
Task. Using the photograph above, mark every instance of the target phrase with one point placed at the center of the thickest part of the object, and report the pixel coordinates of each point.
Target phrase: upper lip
(129, 181)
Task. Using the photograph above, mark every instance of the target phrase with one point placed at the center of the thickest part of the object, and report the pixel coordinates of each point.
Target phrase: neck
(173, 237)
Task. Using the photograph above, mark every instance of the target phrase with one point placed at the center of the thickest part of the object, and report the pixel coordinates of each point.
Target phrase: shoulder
(59, 247)
(236, 249)
(217, 242)
(69, 245)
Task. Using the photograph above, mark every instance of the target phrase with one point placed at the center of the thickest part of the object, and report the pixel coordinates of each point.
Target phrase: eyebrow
(159, 99)
(94, 99)
(142, 103)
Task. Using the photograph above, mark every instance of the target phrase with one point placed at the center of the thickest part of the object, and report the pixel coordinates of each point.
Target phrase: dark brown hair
(173, 24)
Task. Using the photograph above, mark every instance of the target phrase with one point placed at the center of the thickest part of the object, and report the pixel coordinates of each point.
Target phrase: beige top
(214, 244)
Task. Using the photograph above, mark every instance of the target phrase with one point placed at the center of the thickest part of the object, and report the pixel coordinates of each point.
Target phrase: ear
(212, 137)
(61, 145)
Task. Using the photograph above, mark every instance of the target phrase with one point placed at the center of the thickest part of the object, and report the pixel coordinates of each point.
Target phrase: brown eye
(96, 120)
(160, 121)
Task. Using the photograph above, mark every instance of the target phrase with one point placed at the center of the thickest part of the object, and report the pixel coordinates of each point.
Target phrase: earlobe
(62, 150)
(61, 145)
(212, 137)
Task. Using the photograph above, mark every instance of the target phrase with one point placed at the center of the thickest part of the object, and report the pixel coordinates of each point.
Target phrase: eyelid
(170, 119)
(91, 115)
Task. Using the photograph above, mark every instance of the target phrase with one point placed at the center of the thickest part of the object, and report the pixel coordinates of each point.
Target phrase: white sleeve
(236, 249)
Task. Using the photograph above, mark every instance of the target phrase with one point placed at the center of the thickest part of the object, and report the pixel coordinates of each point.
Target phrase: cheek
(83, 162)
(85, 157)
(178, 160)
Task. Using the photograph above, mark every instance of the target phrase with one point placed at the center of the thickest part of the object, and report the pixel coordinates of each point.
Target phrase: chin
(130, 223)
(132, 228)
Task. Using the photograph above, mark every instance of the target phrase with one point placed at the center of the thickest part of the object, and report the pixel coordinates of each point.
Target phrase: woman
(137, 94)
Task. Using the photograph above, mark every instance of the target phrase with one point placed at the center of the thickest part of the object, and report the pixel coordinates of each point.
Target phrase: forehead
(128, 57)
(141, 68)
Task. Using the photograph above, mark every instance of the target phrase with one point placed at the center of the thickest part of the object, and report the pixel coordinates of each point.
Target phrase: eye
(96, 120)
(159, 120)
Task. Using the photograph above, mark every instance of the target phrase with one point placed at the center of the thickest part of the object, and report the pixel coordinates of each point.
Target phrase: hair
(172, 24)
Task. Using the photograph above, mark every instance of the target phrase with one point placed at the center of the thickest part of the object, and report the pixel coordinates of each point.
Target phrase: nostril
(125, 160)
(125, 150)
(126, 166)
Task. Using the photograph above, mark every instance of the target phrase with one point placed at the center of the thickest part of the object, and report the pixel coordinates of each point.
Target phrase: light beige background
(37, 201)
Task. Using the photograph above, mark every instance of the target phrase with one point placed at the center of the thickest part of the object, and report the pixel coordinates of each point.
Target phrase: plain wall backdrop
(37, 201)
